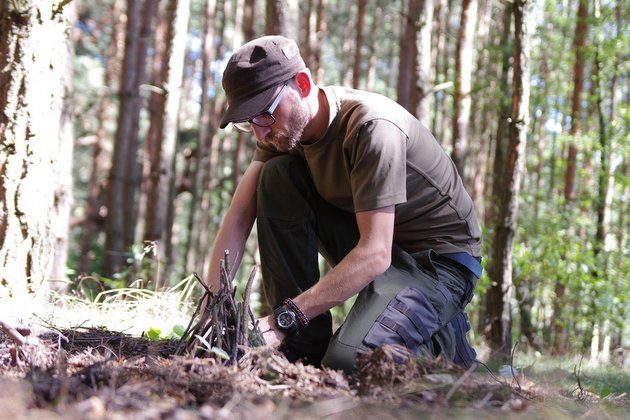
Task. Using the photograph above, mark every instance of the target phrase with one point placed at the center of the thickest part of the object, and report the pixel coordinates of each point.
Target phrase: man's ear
(304, 83)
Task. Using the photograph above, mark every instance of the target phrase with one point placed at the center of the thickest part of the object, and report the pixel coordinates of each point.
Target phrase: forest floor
(95, 374)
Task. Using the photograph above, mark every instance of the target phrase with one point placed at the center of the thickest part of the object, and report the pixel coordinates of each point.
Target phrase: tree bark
(322, 33)
(374, 34)
(423, 68)
(34, 55)
(500, 268)
(206, 131)
(358, 44)
(124, 177)
(560, 337)
(579, 44)
(93, 217)
(406, 90)
(161, 193)
(463, 79)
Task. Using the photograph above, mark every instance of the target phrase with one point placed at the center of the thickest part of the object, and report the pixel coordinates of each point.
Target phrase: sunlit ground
(569, 386)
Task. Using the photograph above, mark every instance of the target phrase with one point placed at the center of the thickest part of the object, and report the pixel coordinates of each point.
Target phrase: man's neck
(318, 125)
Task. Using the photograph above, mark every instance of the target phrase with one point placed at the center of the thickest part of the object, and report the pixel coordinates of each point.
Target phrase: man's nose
(260, 132)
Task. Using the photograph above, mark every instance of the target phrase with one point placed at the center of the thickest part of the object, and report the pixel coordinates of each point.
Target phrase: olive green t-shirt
(376, 154)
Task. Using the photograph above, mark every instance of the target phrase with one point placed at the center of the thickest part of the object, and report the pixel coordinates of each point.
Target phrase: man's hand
(273, 337)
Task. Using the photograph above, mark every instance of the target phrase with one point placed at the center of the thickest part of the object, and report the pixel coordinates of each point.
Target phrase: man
(352, 175)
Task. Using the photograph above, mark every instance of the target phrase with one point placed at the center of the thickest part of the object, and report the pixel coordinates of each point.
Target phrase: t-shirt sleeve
(377, 156)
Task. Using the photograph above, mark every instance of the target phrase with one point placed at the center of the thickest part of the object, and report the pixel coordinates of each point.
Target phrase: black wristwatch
(286, 320)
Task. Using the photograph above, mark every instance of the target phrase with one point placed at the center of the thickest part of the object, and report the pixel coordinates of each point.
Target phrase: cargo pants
(417, 302)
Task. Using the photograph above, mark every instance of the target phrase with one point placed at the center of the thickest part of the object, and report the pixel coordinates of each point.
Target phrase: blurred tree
(124, 175)
(162, 136)
(500, 268)
(35, 143)
(463, 76)
(93, 218)
(579, 44)
(358, 44)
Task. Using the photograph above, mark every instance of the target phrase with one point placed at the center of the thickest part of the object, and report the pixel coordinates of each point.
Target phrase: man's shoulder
(358, 107)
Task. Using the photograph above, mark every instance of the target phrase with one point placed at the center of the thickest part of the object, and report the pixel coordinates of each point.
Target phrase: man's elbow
(381, 261)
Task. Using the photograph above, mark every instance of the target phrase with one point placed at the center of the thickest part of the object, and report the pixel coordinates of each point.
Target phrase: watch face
(285, 319)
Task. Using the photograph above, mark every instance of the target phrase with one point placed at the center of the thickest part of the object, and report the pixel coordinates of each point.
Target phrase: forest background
(112, 168)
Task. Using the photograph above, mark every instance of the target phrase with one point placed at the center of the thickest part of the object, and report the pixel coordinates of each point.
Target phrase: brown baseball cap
(252, 73)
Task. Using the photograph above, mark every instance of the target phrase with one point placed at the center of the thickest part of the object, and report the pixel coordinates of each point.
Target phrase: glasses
(265, 118)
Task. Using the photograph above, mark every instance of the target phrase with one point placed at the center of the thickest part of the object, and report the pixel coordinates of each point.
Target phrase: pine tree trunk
(206, 131)
(161, 196)
(500, 138)
(34, 55)
(115, 250)
(63, 169)
(500, 268)
(560, 334)
(423, 68)
(486, 70)
(358, 44)
(407, 94)
(576, 108)
(124, 173)
(374, 34)
(93, 218)
(463, 83)
(322, 33)
(248, 20)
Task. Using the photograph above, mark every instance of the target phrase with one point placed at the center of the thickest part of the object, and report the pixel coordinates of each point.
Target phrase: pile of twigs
(220, 325)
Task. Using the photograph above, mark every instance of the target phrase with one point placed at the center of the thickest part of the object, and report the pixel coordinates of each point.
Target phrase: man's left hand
(273, 337)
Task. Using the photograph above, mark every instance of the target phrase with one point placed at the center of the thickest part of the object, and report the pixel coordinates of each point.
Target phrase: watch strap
(302, 319)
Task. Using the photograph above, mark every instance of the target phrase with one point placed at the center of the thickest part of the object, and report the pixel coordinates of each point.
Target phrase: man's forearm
(349, 277)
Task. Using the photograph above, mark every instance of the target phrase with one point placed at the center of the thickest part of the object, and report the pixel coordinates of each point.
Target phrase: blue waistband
(467, 260)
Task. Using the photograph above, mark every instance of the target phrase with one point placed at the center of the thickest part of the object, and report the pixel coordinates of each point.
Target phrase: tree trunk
(93, 217)
(463, 79)
(124, 177)
(162, 180)
(406, 90)
(281, 18)
(559, 341)
(423, 68)
(579, 44)
(322, 33)
(206, 131)
(34, 55)
(486, 70)
(63, 169)
(358, 44)
(500, 268)
(500, 140)
(374, 34)
(249, 31)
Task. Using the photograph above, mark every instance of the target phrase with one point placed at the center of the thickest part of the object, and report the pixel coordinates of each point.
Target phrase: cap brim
(246, 108)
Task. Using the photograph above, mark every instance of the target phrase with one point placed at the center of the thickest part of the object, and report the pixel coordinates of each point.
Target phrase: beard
(285, 140)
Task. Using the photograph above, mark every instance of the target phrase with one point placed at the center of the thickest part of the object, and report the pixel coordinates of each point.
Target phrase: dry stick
(187, 331)
(512, 366)
(13, 333)
(460, 381)
(577, 376)
(246, 295)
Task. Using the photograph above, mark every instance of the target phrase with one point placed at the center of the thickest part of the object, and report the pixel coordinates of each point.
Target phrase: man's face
(291, 118)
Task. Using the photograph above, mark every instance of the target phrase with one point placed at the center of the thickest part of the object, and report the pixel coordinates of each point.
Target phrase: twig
(512, 366)
(577, 376)
(13, 333)
(246, 295)
(459, 382)
(203, 284)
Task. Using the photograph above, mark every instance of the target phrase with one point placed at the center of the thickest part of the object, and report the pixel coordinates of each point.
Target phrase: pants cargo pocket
(465, 355)
(409, 319)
